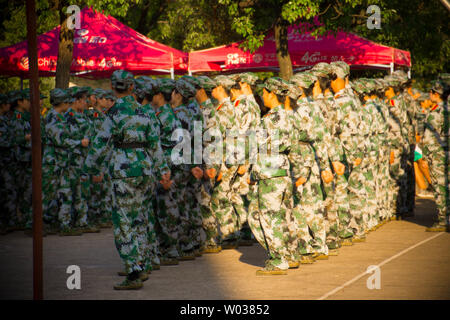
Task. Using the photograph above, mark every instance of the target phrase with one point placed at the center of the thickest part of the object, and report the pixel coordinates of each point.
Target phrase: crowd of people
(343, 166)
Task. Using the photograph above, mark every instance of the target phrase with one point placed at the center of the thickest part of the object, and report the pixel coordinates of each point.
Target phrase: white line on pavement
(379, 265)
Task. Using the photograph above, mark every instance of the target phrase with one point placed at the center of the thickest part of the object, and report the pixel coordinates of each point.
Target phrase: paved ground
(414, 264)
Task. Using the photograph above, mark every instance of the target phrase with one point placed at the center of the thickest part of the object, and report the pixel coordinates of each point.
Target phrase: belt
(131, 145)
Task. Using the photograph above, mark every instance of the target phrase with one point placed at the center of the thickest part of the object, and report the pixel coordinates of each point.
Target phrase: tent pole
(409, 73)
(172, 73)
(392, 67)
(36, 161)
(189, 72)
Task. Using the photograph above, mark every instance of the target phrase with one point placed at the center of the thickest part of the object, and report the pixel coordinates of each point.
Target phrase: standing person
(126, 137)
(190, 230)
(8, 216)
(270, 224)
(167, 211)
(435, 143)
(348, 126)
(21, 127)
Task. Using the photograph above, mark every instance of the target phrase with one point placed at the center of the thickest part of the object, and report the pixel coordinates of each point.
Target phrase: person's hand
(85, 142)
(300, 181)
(201, 96)
(211, 173)
(197, 173)
(28, 137)
(97, 179)
(327, 176)
(219, 177)
(338, 167)
(241, 170)
(357, 162)
(391, 157)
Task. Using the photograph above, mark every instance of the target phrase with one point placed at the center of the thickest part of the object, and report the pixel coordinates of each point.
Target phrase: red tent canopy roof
(304, 49)
(101, 45)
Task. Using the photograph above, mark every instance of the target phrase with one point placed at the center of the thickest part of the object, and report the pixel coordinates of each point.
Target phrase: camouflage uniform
(127, 138)
(436, 142)
(21, 126)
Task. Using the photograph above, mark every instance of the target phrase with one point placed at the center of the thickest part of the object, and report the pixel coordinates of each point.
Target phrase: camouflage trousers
(269, 223)
(438, 162)
(404, 180)
(130, 202)
(357, 196)
(311, 208)
(209, 220)
(168, 218)
(80, 187)
(50, 182)
(24, 192)
(99, 202)
(194, 199)
(370, 212)
(9, 191)
(397, 174)
(382, 183)
(239, 189)
(222, 205)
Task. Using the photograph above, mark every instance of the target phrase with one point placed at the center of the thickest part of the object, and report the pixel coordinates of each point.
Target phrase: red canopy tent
(305, 50)
(101, 45)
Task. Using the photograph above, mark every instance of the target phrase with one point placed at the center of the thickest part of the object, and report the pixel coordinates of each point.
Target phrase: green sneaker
(212, 249)
(187, 255)
(143, 276)
(436, 228)
(229, 244)
(129, 285)
(169, 262)
(90, 229)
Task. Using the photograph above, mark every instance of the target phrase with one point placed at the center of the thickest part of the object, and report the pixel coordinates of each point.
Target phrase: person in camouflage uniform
(271, 172)
(435, 142)
(51, 167)
(127, 138)
(349, 126)
(21, 137)
(190, 232)
(225, 121)
(208, 109)
(315, 140)
(81, 130)
(99, 204)
(167, 211)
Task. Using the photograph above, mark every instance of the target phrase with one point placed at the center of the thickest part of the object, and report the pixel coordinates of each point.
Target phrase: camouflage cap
(98, 93)
(24, 94)
(248, 77)
(293, 91)
(276, 85)
(401, 75)
(109, 94)
(303, 79)
(166, 85)
(206, 82)
(321, 69)
(78, 92)
(13, 96)
(89, 90)
(380, 84)
(121, 79)
(225, 81)
(58, 96)
(139, 85)
(340, 68)
(438, 86)
(192, 80)
(184, 88)
(392, 81)
(362, 85)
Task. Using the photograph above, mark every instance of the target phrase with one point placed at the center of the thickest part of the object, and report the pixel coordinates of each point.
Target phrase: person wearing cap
(99, 202)
(271, 172)
(225, 120)
(126, 146)
(7, 189)
(336, 203)
(55, 162)
(187, 175)
(350, 125)
(435, 143)
(207, 108)
(21, 136)
(81, 130)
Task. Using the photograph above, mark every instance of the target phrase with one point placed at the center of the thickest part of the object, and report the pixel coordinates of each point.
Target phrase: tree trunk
(281, 43)
(65, 53)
